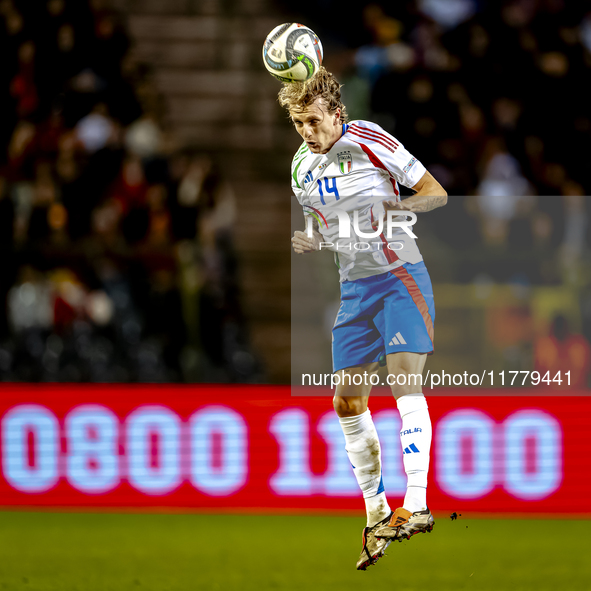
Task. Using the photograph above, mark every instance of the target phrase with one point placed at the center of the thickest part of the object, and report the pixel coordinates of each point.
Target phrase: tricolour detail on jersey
(417, 296)
(300, 153)
(302, 148)
(374, 136)
(297, 160)
(410, 164)
(295, 173)
(379, 164)
(345, 161)
(317, 215)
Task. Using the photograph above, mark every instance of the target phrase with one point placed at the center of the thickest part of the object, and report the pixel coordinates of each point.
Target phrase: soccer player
(386, 305)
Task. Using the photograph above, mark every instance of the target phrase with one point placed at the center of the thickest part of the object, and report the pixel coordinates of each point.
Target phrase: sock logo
(411, 449)
(410, 431)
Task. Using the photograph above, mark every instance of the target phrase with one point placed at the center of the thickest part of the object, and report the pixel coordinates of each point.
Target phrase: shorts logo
(397, 340)
(410, 164)
(345, 161)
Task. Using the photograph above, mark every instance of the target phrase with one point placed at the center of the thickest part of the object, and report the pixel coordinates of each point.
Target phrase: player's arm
(302, 244)
(429, 195)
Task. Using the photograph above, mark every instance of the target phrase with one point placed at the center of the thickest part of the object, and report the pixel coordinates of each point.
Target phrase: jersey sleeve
(385, 151)
(296, 185)
(297, 191)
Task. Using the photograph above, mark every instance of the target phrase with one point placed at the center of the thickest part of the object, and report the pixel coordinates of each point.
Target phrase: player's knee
(349, 406)
(405, 374)
(399, 391)
(412, 385)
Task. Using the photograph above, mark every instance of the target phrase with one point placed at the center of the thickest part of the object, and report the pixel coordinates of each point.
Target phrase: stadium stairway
(206, 60)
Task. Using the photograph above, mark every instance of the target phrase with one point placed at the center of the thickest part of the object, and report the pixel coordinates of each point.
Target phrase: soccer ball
(292, 52)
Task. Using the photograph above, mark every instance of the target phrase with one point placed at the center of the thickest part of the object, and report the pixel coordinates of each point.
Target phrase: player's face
(319, 128)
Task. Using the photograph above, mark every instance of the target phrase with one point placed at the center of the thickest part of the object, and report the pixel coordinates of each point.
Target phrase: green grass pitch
(177, 552)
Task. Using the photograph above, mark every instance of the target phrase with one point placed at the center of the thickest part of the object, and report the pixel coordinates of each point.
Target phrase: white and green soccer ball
(292, 52)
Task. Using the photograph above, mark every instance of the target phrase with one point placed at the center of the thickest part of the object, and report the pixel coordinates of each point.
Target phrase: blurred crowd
(116, 256)
(531, 240)
(489, 94)
(117, 261)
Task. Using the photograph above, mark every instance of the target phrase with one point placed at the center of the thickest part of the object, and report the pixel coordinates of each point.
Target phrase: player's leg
(361, 437)
(415, 437)
(363, 448)
(407, 327)
(356, 348)
(416, 432)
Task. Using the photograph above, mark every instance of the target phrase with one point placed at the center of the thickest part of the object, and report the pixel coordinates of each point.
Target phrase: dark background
(144, 180)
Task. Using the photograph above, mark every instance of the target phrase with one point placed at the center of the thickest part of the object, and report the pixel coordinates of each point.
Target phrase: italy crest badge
(345, 161)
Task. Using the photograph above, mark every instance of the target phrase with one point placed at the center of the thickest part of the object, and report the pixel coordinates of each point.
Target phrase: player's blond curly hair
(298, 96)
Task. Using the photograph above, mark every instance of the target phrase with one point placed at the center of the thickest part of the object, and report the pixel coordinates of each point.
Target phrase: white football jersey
(360, 172)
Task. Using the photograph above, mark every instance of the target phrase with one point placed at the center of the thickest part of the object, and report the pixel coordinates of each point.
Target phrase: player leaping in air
(386, 294)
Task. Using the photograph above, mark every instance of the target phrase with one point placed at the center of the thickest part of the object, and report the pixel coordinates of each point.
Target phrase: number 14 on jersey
(330, 186)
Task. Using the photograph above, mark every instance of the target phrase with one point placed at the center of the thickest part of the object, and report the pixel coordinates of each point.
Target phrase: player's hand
(303, 245)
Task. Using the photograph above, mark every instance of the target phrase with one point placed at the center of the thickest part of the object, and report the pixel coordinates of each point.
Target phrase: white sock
(415, 437)
(363, 449)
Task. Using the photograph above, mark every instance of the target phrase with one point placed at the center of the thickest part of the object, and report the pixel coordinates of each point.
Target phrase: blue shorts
(387, 313)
